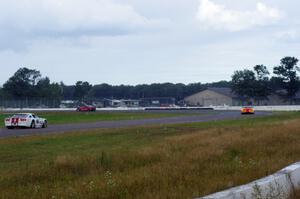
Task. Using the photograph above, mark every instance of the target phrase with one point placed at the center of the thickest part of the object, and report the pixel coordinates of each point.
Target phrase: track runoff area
(179, 117)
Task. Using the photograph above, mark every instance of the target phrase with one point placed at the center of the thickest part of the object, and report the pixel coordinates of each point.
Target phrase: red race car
(86, 108)
(247, 110)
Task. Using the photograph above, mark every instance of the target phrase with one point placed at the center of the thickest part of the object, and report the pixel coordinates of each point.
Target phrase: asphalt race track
(204, 116)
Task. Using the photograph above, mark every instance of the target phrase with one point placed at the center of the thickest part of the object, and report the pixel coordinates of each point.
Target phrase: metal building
(213, 97)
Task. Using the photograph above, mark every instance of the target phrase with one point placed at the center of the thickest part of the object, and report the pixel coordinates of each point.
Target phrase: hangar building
(214, 97)
(225, 96)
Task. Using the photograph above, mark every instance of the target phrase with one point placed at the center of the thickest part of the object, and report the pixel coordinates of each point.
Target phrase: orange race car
(247, 110)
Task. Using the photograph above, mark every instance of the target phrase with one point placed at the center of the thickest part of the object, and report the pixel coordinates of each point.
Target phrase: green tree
(252, 84)
(219, 84)
(287, 74)
(261, 87)
(243, 83)
(81, 90)
(1, 93)
(55, 91)
(22, 83)
(262, 73)
(42, 87)
(102, 91)
(67, 91)
(55, 94)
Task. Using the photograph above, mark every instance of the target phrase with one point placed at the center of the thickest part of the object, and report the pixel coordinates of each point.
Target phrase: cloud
(288, 35)
(216, 16)
(67, 15)
(25, 20)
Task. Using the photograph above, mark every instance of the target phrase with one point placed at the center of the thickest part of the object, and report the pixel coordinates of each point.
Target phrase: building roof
(228, 92)
(224, 91)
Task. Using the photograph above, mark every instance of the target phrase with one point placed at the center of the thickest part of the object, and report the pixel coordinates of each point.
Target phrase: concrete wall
(68, 109)
(208, 98)
(219, 108)
(280, 185)
(261, 108)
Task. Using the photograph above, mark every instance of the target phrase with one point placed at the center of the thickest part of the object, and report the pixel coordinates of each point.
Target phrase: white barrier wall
(69, 109)
(277, 186)
(111, 109)
(220, 108)
(261, 108)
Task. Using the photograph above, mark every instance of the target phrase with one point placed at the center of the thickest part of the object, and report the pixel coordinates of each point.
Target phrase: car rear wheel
(32, 125)
(45, 124)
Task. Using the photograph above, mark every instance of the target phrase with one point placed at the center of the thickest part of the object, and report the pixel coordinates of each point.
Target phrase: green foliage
(243, 83)
(28, 83)
(22, 83)
(178, 91)
(1, 93)
(287, 74)
(252, 84)
(104, 160)
(262, 88)
(170, 161)
(81, 90)
(261, 73)
(257, 85)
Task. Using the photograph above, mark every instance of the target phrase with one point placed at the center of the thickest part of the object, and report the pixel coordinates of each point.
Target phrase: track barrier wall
(260, 108)
(218, 108)
(280, 185)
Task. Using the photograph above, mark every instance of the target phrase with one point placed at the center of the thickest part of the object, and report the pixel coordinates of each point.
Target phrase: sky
(145, 41)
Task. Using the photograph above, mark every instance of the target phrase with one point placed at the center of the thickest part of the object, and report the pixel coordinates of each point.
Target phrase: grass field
(172, 161)
(76, 117)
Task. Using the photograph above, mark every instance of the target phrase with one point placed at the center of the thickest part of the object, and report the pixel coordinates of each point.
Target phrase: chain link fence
(29, 103)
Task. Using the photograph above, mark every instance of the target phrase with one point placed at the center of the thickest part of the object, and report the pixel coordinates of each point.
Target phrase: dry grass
(296, 196)
(160, 162)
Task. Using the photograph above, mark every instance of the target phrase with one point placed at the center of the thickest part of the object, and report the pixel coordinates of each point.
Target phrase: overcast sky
(145, 41)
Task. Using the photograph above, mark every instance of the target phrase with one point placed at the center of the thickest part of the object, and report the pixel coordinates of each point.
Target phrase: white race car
(27, 120)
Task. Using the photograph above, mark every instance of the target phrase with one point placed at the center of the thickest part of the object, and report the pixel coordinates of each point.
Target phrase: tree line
(84, 90)
(255, 84)
(258, 84)
(30, 84)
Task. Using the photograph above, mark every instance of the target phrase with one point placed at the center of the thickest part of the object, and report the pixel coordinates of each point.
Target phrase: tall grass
(296, 195)
(174, 161)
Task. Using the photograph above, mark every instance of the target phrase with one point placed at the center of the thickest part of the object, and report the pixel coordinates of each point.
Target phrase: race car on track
(26, 120)
(247, 110)
(86, 108)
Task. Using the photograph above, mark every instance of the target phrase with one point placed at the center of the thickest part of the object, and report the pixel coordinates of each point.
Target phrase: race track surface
(204, 116)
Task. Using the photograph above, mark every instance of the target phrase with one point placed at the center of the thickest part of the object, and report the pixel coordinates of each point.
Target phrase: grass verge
(169, 161)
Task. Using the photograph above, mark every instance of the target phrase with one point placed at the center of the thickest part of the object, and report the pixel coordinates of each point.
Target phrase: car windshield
(20, 115)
